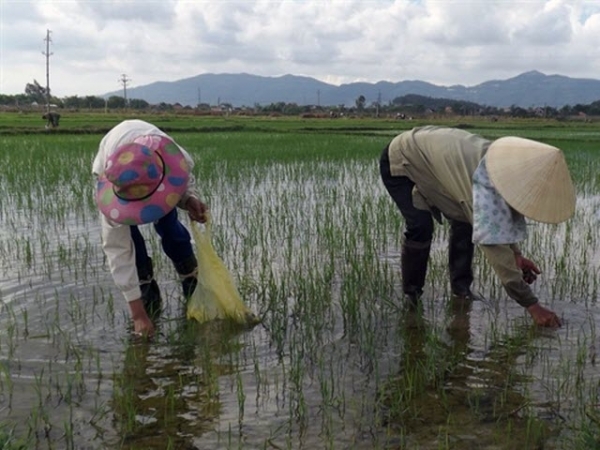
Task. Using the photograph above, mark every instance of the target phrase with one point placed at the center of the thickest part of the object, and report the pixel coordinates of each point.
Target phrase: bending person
(142, 177)
(485, 189)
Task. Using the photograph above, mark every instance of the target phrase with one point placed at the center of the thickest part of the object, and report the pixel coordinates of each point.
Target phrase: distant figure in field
(143, 176)
(52, 119)
(485, 189)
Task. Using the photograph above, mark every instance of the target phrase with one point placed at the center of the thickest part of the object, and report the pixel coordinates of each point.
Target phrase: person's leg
(143, 264)
(460, 258)
(177, 245)
(418, 231)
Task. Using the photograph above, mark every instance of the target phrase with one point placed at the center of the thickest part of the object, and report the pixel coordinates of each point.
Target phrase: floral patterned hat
(142, 181)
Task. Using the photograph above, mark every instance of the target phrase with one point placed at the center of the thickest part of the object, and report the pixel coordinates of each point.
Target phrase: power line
(124, 80)
(47, 54)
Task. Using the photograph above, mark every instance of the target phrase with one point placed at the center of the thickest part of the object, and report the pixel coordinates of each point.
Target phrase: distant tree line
(418, 104)
(404, 106)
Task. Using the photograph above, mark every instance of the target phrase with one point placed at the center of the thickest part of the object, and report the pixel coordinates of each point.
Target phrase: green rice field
(312, 239)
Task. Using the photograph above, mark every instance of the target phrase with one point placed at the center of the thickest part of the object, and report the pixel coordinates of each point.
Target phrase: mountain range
(529, 89)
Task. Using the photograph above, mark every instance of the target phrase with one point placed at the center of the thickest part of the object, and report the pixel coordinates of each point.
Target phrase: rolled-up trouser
(176, 242)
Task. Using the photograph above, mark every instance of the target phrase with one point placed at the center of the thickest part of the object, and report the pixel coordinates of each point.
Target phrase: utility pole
(47, 54)
(199, 97)
(124, 80)
(378, 102)
(318, 97)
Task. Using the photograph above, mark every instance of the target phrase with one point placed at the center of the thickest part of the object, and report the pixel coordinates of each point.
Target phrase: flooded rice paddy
(338, 362)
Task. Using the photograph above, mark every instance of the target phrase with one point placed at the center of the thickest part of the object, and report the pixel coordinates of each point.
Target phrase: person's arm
(120, 253)
(190, 200)
(529, 269)
(197, 210)
(191, 185)
(504, 260)
(190, 192)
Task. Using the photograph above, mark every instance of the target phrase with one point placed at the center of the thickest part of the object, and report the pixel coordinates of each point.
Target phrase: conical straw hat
(532, 177)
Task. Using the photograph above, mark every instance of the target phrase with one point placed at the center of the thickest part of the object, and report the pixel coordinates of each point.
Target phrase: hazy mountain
(525, 90)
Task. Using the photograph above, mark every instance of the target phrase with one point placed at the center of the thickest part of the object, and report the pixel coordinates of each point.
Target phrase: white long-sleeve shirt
(116, 238)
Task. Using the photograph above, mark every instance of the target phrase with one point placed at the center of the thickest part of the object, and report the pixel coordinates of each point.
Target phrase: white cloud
(549, 26)
(106, 11)
(443, 42)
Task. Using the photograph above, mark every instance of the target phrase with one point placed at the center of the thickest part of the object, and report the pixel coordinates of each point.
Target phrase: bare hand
(544, 317)
(197, 210)
(528, 267)
(142, 325)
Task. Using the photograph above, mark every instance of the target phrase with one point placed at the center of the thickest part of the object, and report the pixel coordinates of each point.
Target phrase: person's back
(441, 162)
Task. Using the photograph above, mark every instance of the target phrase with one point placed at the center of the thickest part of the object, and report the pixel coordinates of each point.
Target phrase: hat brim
(162, 201)
(533, 178)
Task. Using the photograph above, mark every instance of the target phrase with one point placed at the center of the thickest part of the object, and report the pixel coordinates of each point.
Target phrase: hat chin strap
(162, 177)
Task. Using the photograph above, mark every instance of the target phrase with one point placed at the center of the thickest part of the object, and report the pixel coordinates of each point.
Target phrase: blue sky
(444, 42)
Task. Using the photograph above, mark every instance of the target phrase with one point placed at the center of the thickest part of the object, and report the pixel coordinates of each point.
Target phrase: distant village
(400, 108)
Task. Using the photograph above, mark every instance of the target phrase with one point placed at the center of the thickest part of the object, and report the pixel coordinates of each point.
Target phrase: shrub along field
(305, 226)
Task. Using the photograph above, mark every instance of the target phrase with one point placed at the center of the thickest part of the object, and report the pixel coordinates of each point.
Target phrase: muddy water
(338, 362)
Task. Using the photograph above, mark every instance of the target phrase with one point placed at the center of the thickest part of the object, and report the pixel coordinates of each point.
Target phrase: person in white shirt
(142, 177)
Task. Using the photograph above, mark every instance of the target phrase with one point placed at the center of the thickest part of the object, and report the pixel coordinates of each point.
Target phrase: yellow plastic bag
(216, 295)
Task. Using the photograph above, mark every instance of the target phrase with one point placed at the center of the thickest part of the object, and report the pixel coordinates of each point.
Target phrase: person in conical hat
(485, 190)
(142, 177)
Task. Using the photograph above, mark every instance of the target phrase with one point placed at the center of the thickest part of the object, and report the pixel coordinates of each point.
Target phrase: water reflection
(167, 394)
(448, 393)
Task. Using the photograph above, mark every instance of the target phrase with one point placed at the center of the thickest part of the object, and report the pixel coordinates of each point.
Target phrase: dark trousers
(419, 223)
(419, 228)
(175, 240)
